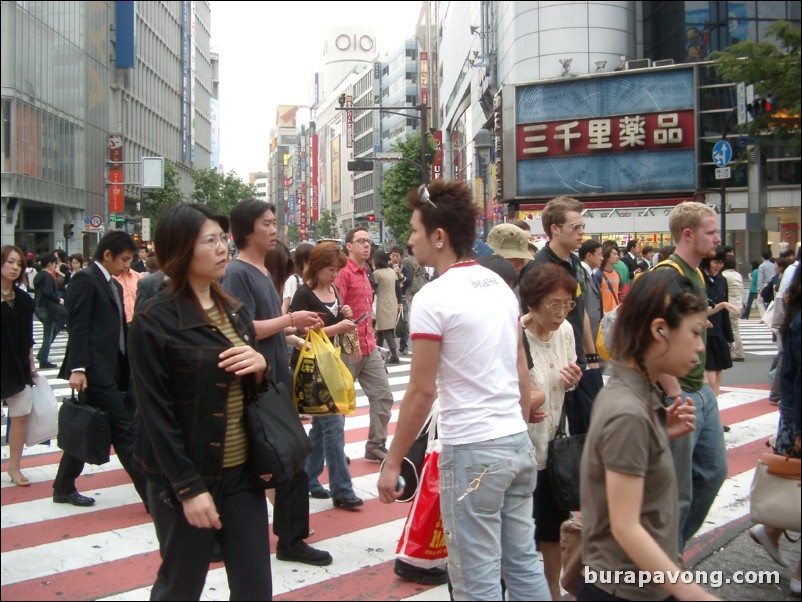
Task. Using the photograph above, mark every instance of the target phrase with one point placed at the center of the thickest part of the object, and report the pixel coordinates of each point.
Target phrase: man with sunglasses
(562, 223)
(367, 366)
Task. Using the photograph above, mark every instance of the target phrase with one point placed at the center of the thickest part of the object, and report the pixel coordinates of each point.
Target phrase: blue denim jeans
(489, 531)
(50, 330)
(700, 462)
(328, 438)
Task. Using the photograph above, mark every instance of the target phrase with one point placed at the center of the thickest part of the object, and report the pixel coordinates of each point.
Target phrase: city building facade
(89, 89)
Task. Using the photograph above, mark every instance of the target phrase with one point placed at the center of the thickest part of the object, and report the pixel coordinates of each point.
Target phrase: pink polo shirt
(355, 290)
(129, 281)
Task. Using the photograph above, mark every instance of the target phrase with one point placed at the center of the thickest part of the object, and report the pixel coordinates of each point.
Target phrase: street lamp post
(483, 142)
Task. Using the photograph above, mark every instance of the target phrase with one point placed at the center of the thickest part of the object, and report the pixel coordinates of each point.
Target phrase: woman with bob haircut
(627, 485)
(469, 355)
(319, 294)
(548, 292)
(194, 368)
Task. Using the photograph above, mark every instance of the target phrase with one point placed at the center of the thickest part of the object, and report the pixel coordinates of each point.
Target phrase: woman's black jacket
(181, 392)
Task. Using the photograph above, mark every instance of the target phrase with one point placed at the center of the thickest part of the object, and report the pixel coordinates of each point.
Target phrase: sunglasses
(423, 193)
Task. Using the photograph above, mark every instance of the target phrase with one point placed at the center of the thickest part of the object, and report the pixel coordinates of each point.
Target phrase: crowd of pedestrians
(172, 345)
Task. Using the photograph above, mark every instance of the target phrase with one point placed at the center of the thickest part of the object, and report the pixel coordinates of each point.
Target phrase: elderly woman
(548, 291)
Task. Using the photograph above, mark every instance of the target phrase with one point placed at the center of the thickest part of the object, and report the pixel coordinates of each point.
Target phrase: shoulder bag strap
(610, 286)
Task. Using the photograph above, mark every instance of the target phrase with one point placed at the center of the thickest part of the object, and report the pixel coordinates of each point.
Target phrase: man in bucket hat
(512, 243)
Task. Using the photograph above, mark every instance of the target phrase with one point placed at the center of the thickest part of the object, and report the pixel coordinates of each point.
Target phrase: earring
(439, 245)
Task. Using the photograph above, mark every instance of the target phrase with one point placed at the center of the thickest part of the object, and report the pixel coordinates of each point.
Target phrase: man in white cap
(512, 243)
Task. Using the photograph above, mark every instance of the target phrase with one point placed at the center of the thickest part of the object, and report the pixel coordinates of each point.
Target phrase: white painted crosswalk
(109, 550)
(756, 338)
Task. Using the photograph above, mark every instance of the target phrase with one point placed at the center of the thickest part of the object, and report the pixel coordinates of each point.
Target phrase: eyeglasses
(574, 227)
(361, 241)
(423, 193)
(557, 306)
(211, 241)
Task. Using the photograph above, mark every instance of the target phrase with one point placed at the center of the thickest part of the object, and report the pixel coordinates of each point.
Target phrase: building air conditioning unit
(638, 64)
(663, 63)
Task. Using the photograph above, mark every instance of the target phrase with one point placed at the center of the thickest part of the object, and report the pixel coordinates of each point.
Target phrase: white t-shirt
(290, 287)
(473, 313)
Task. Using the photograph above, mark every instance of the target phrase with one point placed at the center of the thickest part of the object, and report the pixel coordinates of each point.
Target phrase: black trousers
(291, 514)
(186, 550)
(112, 401)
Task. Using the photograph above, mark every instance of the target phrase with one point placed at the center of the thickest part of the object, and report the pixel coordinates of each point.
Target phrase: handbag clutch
(83, 430)
(775, 497)
(565, 456)
(277, 442)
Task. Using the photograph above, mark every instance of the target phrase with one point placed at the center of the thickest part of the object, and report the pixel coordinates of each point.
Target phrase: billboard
(628, 132)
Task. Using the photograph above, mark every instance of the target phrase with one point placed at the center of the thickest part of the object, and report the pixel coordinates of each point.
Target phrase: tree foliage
(293, 234)
(157, 200)
(326, 225)
(220, 191)
(774, 69)
(398, 181)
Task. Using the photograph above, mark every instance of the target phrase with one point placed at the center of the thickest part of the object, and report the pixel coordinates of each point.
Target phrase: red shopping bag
(423, 542)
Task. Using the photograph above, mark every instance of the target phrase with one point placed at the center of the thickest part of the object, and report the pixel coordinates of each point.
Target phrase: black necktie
(116, 296)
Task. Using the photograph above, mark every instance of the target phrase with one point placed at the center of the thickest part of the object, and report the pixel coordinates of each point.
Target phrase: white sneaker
(759, 535)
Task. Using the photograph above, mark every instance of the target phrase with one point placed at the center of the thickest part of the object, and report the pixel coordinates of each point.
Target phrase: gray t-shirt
(258, 293)
(627, 435)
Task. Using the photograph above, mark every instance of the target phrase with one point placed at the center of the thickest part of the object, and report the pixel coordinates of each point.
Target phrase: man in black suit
(630, 259)
(138, 264)
(95, 362)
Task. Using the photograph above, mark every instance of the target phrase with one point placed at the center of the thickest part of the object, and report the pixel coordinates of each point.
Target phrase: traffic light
(69, 231)
(342, 100)
(764, 105)
(360, 165)
(371, 218)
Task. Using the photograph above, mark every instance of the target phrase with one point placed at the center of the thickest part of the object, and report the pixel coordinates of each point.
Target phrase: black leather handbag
(565, 456)
(83, 430)
(277, 442)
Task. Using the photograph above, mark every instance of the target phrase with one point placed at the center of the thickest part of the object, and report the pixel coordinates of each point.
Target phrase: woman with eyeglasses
(627, 484)
(548, 292)
(468, 354)
(194, 367)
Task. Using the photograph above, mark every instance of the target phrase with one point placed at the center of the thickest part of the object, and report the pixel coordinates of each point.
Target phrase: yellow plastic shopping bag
(323, 384)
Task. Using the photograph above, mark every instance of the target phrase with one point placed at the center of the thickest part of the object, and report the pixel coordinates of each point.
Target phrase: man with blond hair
(700, 461)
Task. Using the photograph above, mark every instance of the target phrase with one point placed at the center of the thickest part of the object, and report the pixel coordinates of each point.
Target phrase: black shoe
(74, 498)
(726, 428)
(407, 572)
(303, 552)
(394, 360)
(351, 503)
(47, 366)
(320, 494)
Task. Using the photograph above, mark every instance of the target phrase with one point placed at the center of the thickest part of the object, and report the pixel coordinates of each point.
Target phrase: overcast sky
(269, 52)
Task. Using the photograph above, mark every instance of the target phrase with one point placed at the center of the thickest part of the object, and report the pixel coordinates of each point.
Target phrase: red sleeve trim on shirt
(425, 335)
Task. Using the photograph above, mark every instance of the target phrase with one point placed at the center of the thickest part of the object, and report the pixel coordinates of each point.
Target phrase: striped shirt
(235, 444)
